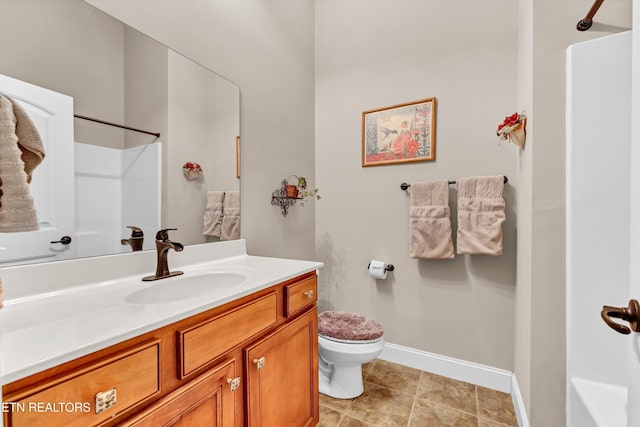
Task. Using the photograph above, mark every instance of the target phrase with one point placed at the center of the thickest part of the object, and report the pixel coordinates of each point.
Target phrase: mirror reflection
(76, 73)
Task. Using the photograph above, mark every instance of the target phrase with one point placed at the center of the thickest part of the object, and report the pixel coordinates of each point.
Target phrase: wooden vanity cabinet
(202, 370)
(205, 401)
(282, 375)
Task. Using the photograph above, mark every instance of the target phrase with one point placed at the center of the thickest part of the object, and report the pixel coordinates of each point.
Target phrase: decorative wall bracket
(279, 198)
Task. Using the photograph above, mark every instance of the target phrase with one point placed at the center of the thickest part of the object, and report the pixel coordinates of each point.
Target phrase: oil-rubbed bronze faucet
(163, 244)
(136, 239)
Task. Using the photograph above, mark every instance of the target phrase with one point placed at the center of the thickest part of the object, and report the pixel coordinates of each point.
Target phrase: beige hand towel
(29, 140)
(429, 221)
(480, 215)
(212, 221)
(230, 216)
(17, 212)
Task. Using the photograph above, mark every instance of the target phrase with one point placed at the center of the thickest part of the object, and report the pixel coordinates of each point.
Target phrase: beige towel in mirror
(429, 221)
(230, 216)
(212, 221)
(480, 215)
(29, 140)
(17, 212)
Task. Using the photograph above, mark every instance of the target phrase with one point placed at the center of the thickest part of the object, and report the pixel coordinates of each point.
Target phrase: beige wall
(145, 91)
(401, 52)
(522, 303)
(59, 62)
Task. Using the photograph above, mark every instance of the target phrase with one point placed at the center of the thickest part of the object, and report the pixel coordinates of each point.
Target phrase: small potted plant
(292, 189)
(297, 188)
(191, 170)
(303, 193)
(308, 193)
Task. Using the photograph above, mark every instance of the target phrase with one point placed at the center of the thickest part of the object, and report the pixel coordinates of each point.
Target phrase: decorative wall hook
(191, 170)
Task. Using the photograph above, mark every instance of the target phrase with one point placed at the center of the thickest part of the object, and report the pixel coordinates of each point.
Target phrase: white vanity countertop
(52, 324)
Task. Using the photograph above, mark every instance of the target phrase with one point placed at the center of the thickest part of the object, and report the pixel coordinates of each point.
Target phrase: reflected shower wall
(116, 188)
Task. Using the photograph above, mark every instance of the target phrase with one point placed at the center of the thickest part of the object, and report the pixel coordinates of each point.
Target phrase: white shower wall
(598, 181)
(115, 188)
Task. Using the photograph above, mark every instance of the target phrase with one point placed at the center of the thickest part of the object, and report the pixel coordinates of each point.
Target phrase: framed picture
(399, 133)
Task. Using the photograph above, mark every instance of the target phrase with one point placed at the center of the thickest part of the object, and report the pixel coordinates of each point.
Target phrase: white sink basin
(185, 287)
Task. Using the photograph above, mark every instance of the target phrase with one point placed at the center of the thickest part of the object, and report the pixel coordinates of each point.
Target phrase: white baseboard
(474, 373)
(461, 370)
(518, 403)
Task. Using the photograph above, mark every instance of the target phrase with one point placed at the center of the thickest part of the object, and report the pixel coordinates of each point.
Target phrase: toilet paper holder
(389, 267)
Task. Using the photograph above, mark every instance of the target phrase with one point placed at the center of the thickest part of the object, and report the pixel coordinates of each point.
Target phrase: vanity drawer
(300, 295)
(72, 400)
(205, 341)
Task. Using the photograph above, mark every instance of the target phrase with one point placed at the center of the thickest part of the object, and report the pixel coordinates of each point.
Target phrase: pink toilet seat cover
(348, 326)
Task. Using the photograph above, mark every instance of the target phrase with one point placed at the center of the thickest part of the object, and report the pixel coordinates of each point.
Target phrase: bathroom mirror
(116, 74)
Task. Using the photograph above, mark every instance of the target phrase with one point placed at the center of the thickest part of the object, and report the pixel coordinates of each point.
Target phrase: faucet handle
(163, 234)
(135, 231)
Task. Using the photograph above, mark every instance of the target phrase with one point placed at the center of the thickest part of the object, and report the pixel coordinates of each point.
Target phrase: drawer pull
(105, 400)
(309, 294)
(234, 383)
(259, 363)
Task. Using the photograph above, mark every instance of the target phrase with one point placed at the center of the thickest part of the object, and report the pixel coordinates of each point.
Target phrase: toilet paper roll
(378, 269)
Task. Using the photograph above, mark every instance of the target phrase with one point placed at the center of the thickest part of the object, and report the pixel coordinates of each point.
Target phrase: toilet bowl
(346, 341)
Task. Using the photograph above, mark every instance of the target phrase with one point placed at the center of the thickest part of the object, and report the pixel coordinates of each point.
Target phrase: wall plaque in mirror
(113, 72)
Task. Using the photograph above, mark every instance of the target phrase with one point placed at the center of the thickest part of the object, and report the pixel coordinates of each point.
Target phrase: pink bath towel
(480, 215)
(429, 221)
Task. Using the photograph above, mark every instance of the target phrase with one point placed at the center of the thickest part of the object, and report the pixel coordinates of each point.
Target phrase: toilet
(345, 342)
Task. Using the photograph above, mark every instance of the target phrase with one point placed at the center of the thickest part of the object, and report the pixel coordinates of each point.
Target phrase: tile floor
(396, 395)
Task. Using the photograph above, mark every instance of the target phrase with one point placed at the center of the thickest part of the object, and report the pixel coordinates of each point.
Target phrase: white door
(52, 185)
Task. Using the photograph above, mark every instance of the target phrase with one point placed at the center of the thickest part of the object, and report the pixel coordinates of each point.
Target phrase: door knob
(628, 314)
(65, 240)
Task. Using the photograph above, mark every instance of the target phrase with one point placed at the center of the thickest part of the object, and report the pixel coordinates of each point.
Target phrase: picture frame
(399, 133)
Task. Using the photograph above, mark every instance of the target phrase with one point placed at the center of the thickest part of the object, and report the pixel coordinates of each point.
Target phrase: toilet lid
(348, 326)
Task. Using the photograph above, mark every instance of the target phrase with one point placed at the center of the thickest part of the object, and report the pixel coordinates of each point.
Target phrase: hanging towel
(230, 229)
(29, 140)
(213, 214)
(17, 211)
(429, 221)
(480, 215)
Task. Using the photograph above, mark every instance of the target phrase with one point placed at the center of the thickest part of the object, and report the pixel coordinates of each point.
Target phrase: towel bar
(405, 186)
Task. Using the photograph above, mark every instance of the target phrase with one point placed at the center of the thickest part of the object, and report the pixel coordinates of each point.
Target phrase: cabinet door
(282, 376)
(206, 401)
